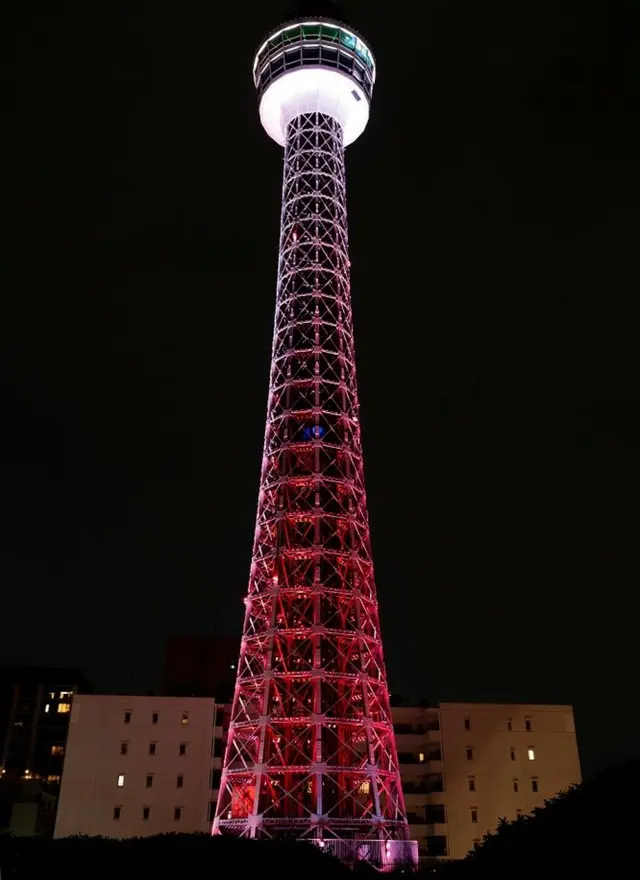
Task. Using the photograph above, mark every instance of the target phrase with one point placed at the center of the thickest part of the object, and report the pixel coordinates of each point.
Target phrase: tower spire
(311, 750)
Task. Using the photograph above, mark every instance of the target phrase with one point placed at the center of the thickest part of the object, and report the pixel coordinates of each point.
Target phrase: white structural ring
(314, 90)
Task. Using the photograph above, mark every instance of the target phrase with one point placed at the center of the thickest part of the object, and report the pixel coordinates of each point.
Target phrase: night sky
(494, 232)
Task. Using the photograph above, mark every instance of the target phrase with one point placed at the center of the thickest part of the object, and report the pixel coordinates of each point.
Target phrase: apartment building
(466, 765)
(138, 766)
(35, 707)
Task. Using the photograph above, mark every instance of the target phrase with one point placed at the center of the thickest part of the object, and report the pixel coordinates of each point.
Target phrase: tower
(311, 751)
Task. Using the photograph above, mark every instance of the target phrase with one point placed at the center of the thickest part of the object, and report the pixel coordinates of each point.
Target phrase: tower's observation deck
(314, 66)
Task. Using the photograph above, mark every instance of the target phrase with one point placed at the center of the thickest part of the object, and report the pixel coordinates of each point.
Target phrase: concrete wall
(484, 751)
(93, 764)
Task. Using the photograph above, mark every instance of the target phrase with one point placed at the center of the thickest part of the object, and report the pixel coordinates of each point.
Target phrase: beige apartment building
(466, 765)
(138, 766)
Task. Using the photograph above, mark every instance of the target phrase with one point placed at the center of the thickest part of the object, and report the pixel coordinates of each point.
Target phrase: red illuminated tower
(311, 751)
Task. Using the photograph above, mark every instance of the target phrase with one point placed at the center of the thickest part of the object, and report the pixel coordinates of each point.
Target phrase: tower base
(384, 855)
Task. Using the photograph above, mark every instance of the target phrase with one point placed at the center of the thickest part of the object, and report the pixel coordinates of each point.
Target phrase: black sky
(493, 222)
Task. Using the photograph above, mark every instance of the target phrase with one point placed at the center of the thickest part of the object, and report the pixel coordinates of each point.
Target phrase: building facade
(466, 765)
(138, 766)
(35, 707)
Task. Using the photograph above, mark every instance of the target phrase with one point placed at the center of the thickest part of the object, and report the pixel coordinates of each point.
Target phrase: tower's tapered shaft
(311, 750)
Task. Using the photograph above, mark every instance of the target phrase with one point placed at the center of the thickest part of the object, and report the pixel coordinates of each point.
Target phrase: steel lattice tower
(311, 750)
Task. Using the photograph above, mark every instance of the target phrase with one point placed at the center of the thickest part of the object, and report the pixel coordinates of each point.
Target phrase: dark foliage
(164, 856)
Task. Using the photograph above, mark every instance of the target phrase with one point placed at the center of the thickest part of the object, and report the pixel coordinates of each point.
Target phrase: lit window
(534, 785)
(467, 723)
(532, 754)
(154, 718)
(57, 750)
(116, 812)
(64, 707)
(472, 783)
(183, 749)
(527, 723)
(474, 814)
(364, 787)
(64, 695)
(146, 811)
(469, 754)
(47, 707)
(127, 717)
(120, 780)
(179, 781)
(421, 757)
(184, 718)
(177, 813)
(53, 779)
(52, 696)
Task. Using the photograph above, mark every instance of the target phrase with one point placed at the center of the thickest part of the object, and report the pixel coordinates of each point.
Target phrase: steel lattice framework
(311, 744)
(311, 750)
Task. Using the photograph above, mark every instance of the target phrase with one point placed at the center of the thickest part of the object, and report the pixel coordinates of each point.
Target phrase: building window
(177, 813)
(474, 814)
(149, 781)
(154, 717)
(146, 812)
(63, 708)
(179, 781)
(513, 754)
(152, 748)
(116, 812)
(57, 750)
(534, 785)
(436, 845)
(472, 783)
(47, 707)
(127, 717)
(124, 748)
(184, 718)
(531, 753)
(216, 776)
(64, 695)
(183, 749)
(434, 814)
(509, 724)
(469, 754)
(120, 780)
(516, 787)
(467, 723)
(421, 757)
(527, 724)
